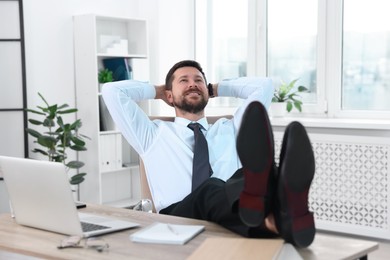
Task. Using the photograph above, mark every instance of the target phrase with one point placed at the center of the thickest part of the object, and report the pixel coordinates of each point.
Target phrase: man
(243, 191)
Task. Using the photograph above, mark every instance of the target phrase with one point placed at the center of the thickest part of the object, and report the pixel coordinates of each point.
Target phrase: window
(339, 50)
(227, 29)
(221, 44)
(366, 55)
(292, 43)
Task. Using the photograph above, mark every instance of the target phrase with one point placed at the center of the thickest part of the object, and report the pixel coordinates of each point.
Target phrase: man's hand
(215, 89)
(161, 94)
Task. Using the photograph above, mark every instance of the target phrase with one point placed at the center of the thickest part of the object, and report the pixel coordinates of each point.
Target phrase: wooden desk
(41, 244)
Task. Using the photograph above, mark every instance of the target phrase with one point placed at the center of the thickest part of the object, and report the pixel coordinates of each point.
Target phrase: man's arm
(248, 88)
(161, 93)
(120, 98)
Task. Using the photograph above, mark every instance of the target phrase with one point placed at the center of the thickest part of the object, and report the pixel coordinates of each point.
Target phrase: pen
(172, 229)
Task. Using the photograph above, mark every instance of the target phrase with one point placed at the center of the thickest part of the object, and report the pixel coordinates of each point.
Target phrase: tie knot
(195, 126)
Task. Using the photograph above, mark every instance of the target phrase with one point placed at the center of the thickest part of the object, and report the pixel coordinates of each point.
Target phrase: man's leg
(207, 202)
(255, 148)
(296, 171)
(217, 201)
(287, 189)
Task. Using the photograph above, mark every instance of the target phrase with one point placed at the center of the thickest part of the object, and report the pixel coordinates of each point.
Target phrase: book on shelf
(120, 67)
(110, 147)
(164, 233)
(106, 121)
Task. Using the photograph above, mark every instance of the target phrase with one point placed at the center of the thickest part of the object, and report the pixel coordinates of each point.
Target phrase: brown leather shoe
(296, 171)
(255, 148)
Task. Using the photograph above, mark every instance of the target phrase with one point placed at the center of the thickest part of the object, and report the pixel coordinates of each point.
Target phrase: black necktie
(201, 169)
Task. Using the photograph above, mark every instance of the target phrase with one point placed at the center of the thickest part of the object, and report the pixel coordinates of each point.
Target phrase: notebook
(41, 197)
(163, 233)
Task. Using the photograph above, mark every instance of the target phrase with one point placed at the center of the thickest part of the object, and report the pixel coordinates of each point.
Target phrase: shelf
(109, 132)
(95, 39)
(123, 203)
(133, 166)
(130, 56)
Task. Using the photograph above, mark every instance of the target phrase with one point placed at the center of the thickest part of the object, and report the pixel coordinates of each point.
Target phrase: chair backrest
(145, 190)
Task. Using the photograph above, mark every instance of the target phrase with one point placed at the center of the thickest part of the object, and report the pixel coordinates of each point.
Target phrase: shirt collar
(185, 122)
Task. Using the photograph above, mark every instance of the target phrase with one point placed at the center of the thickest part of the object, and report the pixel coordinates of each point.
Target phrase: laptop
(41, 197)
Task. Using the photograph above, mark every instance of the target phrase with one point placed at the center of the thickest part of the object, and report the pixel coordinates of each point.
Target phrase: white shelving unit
(111, 164)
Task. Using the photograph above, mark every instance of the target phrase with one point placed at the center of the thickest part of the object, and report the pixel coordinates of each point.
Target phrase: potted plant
(105, 76)
(59, 136)
(286, 93)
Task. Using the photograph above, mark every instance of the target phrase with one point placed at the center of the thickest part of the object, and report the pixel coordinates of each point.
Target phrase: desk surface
(41, 244)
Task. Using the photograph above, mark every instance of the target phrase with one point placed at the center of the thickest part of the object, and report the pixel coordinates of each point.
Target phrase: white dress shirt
(166, 148)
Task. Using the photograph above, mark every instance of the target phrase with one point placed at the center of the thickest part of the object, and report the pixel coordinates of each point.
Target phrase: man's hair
(185, 63)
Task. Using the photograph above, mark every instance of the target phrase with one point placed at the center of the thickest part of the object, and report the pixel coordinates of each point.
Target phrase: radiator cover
(350, 190)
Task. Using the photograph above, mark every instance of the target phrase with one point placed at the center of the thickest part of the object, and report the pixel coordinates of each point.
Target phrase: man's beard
(190, 107)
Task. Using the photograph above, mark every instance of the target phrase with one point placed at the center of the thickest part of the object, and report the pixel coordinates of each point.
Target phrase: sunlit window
(292, 43)
(366, 55)
(228, 42)
(338, 49)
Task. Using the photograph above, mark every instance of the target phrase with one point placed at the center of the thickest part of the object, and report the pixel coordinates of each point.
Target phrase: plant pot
(278, 109)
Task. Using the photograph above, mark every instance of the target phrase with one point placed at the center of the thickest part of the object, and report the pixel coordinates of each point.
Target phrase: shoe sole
(256, 155)
(296, 174)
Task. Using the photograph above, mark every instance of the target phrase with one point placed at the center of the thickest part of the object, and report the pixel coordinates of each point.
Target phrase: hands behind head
(161, 93)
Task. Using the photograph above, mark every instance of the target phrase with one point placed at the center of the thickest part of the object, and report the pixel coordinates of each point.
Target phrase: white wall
(49, 40)
(171, 39)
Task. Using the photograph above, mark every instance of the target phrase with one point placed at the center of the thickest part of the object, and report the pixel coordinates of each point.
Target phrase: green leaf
(77, 179)
(33, 132)
(75, 164)
(52, 111)
(302, 89)
(66, 128)
(60, 122)
(78, 148)
(77, 141)
(76, 125)
(44, 109)
(47, 141)
(68, 111)
(63, 106)
(36, 150)
(297, 105)
(35, 112)
(44, 100)
(48, 122)
(35, 122)
(289, 106)
(291, 84)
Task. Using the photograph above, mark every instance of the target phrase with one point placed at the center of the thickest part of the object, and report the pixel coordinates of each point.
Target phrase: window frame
(329, 56)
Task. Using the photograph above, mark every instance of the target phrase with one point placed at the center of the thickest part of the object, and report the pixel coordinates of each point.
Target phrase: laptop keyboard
(91, 227)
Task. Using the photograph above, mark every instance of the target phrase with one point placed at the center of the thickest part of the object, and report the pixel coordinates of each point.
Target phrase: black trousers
(217, 201)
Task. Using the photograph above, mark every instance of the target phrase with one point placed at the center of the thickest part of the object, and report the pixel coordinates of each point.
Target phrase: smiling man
(239, 185)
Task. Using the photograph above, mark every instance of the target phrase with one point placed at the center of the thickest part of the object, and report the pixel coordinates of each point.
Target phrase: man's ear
(169, 96)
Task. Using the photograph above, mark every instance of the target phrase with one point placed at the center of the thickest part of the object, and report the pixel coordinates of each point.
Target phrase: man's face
(189, 92)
